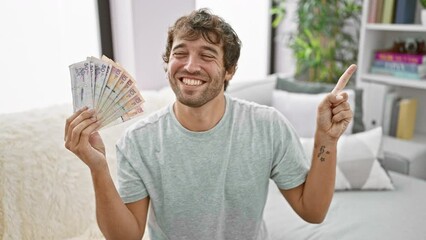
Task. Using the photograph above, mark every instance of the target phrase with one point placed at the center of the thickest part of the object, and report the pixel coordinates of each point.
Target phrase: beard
(198, 97)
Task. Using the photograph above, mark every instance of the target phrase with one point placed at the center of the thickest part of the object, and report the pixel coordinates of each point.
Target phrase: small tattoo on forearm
(321, 153)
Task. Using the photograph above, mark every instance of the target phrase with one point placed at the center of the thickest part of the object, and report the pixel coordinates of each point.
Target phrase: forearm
(333, 117)
(319, 186)
(114, 219)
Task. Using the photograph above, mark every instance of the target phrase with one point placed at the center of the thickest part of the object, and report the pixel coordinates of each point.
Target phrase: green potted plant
(423, 11)
(323, 46)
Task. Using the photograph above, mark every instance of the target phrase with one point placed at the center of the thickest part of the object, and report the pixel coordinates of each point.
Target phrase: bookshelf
(393, 81)
(396, 27)
(376, 36)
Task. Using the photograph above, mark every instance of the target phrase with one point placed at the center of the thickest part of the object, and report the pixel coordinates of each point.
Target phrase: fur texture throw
(46, 192)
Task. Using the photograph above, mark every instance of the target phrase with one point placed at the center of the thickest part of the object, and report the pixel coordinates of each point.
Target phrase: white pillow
(301, 109)
(357, 163)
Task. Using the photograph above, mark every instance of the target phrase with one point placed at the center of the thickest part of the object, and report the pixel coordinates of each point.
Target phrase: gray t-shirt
(212, 184)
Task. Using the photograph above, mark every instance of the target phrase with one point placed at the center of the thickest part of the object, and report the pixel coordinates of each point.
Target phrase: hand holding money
(103, 85)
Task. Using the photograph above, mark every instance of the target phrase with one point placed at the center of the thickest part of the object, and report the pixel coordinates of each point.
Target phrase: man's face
(196, 71)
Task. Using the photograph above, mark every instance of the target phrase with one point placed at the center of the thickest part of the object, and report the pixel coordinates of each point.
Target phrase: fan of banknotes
(105, 86)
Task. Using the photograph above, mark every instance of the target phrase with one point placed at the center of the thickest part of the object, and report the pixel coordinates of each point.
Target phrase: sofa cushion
(259, 91)
(301, 109)
(407, 157)
(289, 84)
(358, 167)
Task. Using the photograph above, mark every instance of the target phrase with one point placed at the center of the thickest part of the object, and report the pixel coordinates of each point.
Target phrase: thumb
(336, 99)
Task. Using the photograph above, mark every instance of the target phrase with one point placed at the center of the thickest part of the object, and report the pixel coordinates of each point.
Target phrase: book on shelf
(400, 57)
(396, 73)
(372, 11)
(401, 66)
(375, 14)
(391, 99)
(379, 11)
(399, 116)
(405, 11)
(406, 118)
(388, 11)
(394, 117)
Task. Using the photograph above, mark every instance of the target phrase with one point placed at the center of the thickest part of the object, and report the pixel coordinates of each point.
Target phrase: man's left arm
(312, 199)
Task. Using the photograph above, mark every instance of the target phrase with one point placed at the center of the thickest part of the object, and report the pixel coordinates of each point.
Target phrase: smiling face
(202, 24)
(196, 71)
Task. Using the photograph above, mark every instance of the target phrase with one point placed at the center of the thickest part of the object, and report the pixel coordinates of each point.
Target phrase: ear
(230, 73)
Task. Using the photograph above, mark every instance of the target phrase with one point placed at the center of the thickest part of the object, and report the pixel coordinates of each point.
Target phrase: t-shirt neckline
(203, 134)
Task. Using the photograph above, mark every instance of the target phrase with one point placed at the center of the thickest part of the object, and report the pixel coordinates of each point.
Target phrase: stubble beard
(197, 99)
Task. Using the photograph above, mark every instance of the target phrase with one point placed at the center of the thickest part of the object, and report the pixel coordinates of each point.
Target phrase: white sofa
(46, 192)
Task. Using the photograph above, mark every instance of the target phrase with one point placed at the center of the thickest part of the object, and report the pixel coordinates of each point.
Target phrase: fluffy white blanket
(45, 191)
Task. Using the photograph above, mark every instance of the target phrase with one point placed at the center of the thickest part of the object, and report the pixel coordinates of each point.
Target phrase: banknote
(81, 84)
(116, 91)
(121, 110)
(105, 86)
(129, 101)
(131, 114)
(107, 110)
(109, 84)
(102, 71)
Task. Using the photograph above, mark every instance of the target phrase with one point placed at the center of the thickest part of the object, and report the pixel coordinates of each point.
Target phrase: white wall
(151, 22)
(251, 21)
(139, 36)
(39, 40)
(123, 34)
(140, 31)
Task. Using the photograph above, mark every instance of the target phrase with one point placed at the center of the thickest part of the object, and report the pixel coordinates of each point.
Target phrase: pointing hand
(334, 112)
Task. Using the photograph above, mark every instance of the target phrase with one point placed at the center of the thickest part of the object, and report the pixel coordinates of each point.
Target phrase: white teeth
(191, 82)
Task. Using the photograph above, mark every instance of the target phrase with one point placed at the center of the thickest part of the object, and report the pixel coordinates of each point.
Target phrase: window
(39, 40)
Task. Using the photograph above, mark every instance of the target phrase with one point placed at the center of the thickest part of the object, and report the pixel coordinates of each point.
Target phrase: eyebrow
(181, 45)
(211, 49)
(208, 48)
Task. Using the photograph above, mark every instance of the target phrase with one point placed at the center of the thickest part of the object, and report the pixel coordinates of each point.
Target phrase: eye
(179, 54)
(207, 57)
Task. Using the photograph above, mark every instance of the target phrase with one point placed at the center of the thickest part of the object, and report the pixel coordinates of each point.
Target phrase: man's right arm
(115, 219)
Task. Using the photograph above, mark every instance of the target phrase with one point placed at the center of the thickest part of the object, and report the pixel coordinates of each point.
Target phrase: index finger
(71, 118)
(344, 79)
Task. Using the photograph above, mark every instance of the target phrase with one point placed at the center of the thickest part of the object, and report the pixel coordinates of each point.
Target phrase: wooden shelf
(394, 81)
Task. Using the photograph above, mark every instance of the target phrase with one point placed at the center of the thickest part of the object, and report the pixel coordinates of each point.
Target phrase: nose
(192, 65)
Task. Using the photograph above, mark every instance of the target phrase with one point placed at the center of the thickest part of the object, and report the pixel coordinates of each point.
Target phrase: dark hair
(202, 23)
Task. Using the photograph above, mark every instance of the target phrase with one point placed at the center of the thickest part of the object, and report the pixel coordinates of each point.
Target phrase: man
(203, 164)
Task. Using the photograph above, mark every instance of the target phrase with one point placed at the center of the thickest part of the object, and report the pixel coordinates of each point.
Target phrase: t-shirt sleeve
(130, 185)
(290, 164)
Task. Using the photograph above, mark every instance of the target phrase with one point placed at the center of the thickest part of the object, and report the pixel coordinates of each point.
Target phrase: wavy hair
(213, 29)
